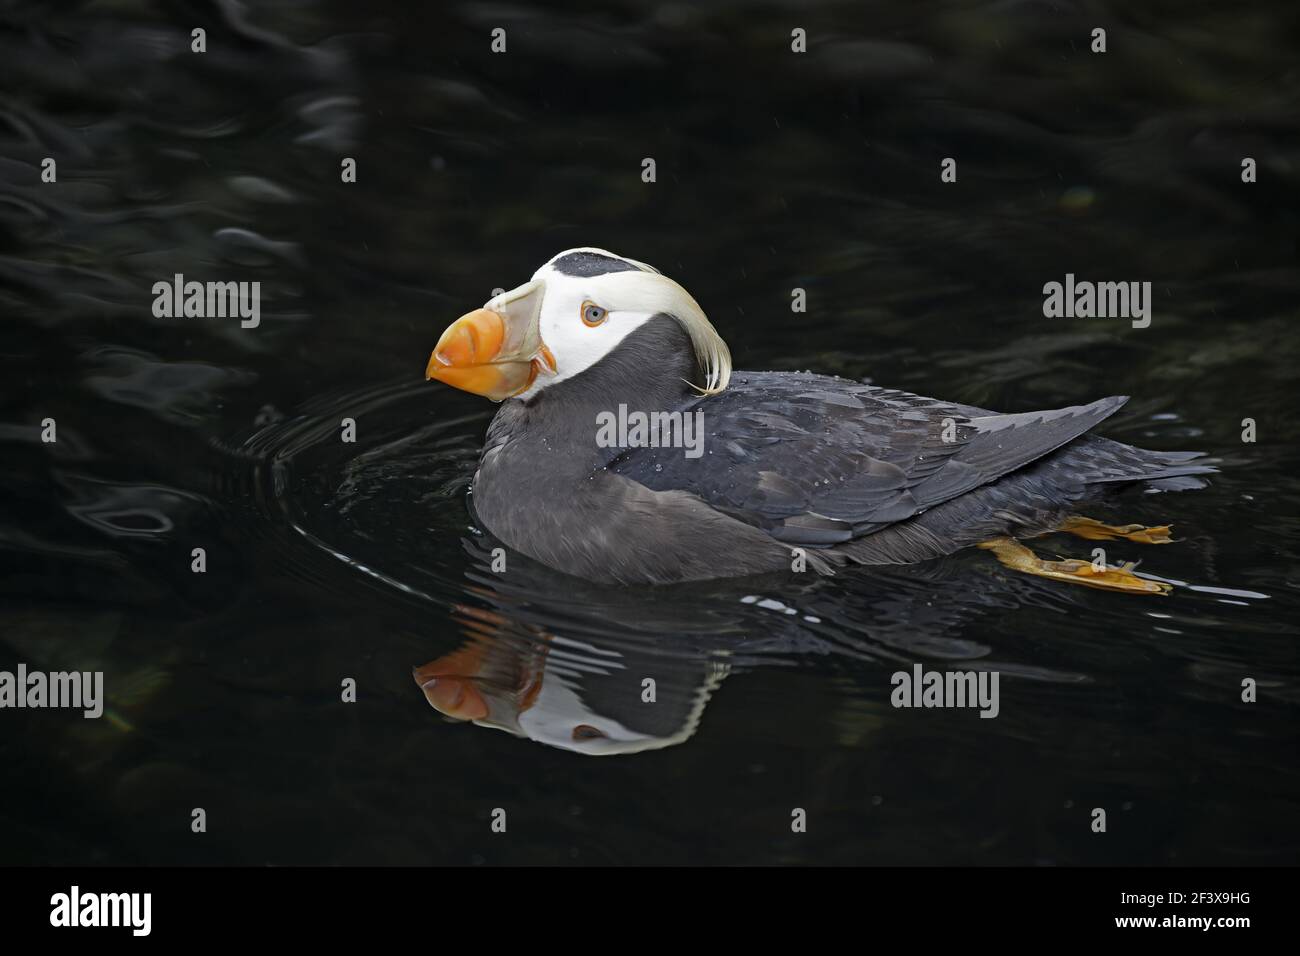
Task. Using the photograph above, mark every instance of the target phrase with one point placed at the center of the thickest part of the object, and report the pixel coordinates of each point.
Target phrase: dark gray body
(845, 471)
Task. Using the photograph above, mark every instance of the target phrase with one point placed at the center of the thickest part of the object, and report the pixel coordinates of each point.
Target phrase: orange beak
(496, 351)
(450, 683)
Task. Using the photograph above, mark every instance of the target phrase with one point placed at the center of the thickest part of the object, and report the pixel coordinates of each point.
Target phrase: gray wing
(815, 460)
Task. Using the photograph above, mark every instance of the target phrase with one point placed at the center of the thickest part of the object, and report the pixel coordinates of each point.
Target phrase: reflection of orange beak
(456, 697)
(495, 352)
(449, 683)
(485, 680)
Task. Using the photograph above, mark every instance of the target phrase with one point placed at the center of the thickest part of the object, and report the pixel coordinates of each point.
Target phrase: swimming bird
(626, 449)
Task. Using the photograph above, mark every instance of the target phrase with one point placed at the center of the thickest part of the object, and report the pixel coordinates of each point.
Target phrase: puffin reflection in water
(847, 473)
(575, 665)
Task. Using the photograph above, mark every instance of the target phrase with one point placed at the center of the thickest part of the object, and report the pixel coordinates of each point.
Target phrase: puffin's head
(574, 311)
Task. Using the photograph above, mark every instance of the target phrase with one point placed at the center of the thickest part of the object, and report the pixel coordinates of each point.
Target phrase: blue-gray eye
(593, 315)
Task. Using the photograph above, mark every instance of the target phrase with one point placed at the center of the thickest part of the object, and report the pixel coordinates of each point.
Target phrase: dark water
(328, 560)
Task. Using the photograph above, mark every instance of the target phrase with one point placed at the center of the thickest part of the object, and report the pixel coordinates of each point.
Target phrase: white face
(584, 318)
(558, 717)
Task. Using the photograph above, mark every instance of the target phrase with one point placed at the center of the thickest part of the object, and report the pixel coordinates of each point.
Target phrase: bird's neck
(651, 370)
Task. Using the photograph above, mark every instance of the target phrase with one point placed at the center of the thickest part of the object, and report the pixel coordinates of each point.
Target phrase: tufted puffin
(724, 473)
